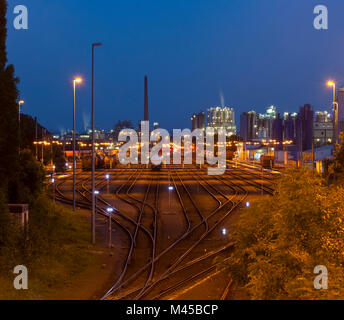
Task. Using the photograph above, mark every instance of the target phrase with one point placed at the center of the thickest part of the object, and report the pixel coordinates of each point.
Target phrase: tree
(9, 134)
(280, 240)
(334, 168)
(31, 177)
(28, 132)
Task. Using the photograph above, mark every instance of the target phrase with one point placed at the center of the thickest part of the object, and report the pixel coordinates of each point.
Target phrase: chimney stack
(146, 100)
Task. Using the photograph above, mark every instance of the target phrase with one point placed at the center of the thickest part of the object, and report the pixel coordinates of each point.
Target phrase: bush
(280, 241)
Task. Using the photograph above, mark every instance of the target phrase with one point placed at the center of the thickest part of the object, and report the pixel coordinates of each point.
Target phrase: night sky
(256, 52)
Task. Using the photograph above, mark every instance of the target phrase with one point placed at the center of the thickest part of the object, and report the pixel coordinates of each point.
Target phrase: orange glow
(331, 83)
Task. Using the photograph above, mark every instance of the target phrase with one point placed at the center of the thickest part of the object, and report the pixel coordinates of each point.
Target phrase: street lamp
(335, 112)
(96, 194)
(20, 102)
(109, 211)
(75, 81)
(93, 220)
(170, 188)
(53, 183)
(107, 177)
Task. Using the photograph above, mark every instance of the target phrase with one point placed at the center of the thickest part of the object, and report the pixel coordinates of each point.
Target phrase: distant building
(198, 121)
(304, 128)
(339, 124)
(222, 118)
(277, 128)
(248, 125)
(265, 121)
(323, 128)
(289, 120)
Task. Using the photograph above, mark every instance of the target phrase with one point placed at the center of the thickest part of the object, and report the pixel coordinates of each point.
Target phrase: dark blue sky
(257, 52)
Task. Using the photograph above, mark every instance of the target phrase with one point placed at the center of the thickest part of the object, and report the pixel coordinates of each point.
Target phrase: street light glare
(331, 83)
(21, 101)
(78, 80)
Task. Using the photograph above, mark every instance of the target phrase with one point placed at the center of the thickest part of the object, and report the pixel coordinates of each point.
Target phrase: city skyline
(183, 77)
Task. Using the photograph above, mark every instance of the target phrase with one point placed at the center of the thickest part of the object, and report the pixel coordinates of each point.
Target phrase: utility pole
(109, 211)
(313, 167)
(76, 80)
(93, 218)
(36, 138)
(42, 158)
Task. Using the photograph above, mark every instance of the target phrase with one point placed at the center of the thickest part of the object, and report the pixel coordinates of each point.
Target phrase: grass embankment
(57, 250)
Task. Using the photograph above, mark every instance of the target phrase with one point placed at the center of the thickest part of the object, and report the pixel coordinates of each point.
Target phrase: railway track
(155, 267)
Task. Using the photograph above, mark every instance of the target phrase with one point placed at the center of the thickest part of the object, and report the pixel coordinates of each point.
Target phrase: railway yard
(170, 229)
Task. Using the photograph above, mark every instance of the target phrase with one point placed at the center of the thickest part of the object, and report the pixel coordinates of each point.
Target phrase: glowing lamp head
(224, 231)
(331, 83)
(109, 210)
(21, 101)
(247, 204)
(107, 176)
(170, 188)
(77, 80)
(96, 192)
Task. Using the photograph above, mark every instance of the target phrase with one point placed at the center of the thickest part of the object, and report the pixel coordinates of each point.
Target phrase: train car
(156, 162)
(86, 162)
(60, 165)
(267, 161)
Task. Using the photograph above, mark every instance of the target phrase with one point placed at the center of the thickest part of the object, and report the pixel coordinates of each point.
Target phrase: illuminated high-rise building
(248, 125)
(222, 118)
(339, 121)
(265, 121)
(198, 121)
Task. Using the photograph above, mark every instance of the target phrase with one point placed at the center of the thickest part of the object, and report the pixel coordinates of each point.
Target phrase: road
(169, 225)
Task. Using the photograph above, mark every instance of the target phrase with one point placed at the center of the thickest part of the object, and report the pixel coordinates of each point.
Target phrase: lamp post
(109, 211)
(53, 183)
(42, 149)
(93, 220)
(20, 102)
(170, 188)
(96, 194)
(75, 81)
(107, 177)
(335, 113)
